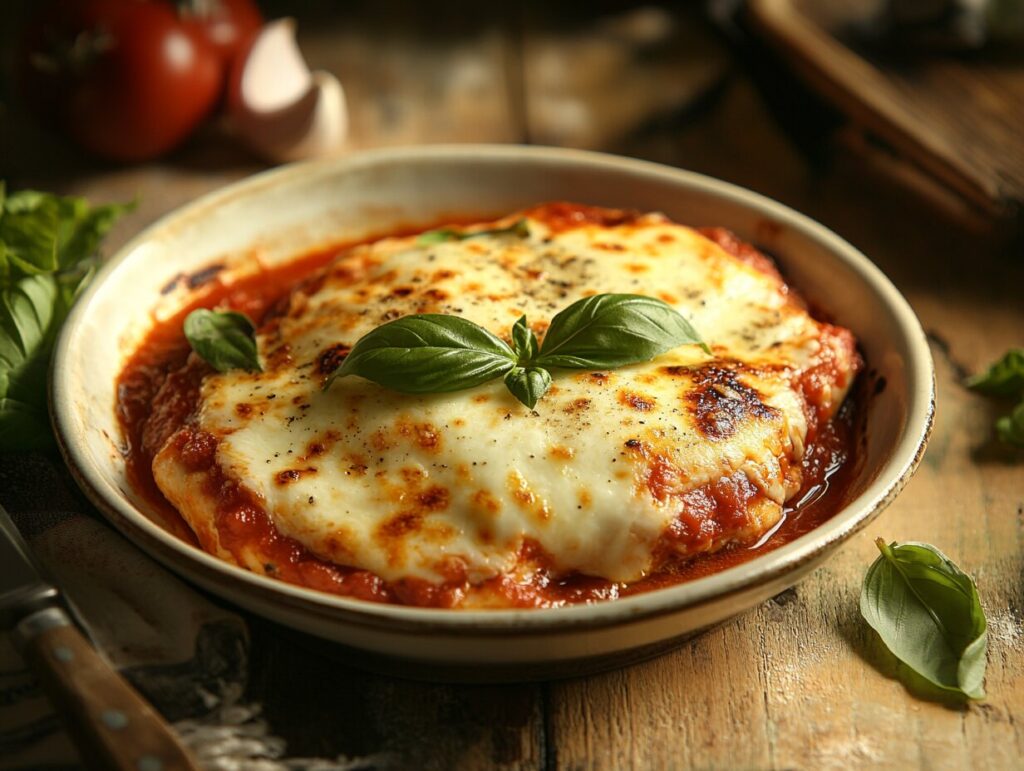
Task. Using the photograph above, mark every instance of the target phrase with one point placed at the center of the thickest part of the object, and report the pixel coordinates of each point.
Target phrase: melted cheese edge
(452, 485)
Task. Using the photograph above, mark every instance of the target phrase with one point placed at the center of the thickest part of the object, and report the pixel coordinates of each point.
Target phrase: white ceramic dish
(274, 216)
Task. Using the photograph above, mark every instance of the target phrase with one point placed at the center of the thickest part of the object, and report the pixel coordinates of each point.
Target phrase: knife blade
(22, 588)
(111, 724)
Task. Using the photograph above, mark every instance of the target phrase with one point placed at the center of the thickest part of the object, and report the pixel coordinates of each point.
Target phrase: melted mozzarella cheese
(456, 484)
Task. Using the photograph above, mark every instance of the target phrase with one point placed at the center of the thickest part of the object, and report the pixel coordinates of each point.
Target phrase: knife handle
(111, 724)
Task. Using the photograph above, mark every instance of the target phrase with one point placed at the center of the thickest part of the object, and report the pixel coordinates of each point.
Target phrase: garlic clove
(281, 109)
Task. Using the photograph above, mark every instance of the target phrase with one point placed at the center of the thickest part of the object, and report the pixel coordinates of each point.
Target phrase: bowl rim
(851, 518)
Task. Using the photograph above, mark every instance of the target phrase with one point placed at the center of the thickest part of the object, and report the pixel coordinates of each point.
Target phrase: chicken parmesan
(617, 480)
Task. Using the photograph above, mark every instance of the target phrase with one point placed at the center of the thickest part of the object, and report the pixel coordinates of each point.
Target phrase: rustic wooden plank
(958, 118)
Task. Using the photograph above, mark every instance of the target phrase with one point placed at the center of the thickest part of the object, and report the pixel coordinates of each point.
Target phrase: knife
(111, 724)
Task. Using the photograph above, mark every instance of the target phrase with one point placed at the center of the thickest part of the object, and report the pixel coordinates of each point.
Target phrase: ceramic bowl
(276, 215)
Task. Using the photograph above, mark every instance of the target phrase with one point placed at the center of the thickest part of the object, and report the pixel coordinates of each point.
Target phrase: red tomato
(128, 78)
(228, 24)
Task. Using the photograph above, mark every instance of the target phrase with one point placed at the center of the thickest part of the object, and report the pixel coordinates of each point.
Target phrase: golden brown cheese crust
(615, 474)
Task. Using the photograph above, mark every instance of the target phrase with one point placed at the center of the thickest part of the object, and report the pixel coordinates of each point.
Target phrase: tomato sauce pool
(162, 365)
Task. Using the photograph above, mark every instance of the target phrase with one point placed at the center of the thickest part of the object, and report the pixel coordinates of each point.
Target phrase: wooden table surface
(800, 681)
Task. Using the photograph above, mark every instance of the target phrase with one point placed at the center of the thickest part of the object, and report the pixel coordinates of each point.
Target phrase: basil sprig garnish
(518, 228)
(436, 353)
(1005, 379)
(428, 353)
(224, 339)
(927, 612)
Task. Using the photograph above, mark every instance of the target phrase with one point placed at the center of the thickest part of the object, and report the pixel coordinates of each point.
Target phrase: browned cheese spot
(433, 498)
(424, 435)
(330, 358)
(576, 406)
(719, 402)
(280, 357)
(635, 401)
(436, 295)
(293, 474)
(485, 502)
(526, 499)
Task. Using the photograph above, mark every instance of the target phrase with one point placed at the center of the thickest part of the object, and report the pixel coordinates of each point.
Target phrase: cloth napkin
(186, 654)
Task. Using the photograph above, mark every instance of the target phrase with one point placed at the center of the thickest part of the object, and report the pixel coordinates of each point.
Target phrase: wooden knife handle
(111, 724)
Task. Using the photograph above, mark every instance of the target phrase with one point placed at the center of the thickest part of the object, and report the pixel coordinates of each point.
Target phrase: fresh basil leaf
(612, 330)
(427, 353)
(524, 341)
(1004, 377)
(82, 228)
(28, 231)
(519, 228)
(47, 250)
(31, 312)
(41, 233)
(528, 384)
(1010, 428)
(927, 612)
(226, 340)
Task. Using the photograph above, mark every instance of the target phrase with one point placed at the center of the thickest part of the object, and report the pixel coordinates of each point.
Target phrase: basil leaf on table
(528, 384)
(428, 353)
(1010, 428)
(224, 339)
(47, 249)
(928, 614)
(518, 228)
(606, 331)
(1004, 377)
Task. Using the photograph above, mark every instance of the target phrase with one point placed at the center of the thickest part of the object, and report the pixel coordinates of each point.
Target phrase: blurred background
(785, 96)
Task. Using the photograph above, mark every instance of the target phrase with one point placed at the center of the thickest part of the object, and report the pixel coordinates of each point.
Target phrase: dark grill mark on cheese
(433, 498)
(436, 295)
(719, 401)
(331, 358)
(293, 474)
